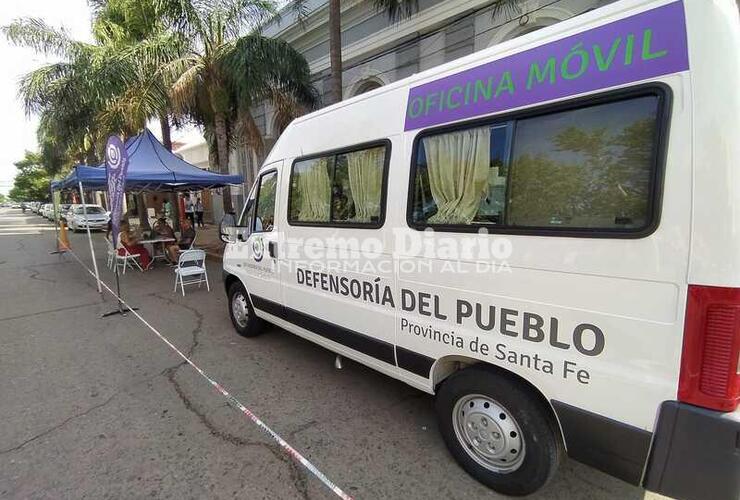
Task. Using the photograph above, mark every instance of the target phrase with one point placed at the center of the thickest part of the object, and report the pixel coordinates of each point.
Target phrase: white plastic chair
(111, 254)
(128, 259)
(191, 270)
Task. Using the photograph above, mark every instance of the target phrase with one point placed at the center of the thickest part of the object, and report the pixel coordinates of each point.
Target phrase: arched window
(367, 86)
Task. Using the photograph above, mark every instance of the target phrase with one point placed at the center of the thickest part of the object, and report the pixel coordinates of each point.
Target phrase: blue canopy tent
(151, 168)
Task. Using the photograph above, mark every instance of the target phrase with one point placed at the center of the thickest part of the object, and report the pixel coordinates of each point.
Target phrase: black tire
(543, 448)
(249, 326)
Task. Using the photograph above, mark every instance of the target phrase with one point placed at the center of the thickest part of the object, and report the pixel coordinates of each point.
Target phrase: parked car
(97, 217)
(379, 228)
(63, 210)
(47, 211)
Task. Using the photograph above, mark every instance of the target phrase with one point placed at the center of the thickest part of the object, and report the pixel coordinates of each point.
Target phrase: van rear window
(589, 168)
(342, 188)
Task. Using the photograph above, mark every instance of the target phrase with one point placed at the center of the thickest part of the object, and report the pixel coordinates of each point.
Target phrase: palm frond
(511, 7)
(35, 33)
(258, 66)
(397, 9)
(185, 89)
(247, 131)
(240, 16)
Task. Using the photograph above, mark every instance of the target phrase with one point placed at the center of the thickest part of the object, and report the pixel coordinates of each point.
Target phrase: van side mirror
(227, 229)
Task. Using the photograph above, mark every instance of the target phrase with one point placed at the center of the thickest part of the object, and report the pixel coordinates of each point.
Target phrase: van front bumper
(695, 453)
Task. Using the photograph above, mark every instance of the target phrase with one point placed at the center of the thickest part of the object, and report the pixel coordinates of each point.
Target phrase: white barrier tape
(231, 399)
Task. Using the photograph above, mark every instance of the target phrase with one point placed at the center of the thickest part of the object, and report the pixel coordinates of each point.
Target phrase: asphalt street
(102, 408)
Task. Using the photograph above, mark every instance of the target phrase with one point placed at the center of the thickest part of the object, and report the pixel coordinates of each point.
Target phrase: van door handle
(272, 249)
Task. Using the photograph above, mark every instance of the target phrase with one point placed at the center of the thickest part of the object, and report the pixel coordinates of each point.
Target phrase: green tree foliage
(32, 180)
(174, 60)
(229, 67)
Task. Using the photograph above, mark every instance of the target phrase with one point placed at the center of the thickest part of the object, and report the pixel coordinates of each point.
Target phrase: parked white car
(47, 211)
(97, 217)
(63, 209)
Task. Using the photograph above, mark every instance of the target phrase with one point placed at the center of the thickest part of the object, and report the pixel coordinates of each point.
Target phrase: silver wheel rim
(488, 433)
(240, 310)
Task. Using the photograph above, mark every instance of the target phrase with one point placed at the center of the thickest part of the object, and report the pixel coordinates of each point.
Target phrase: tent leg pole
(56, 228)
(89, 238)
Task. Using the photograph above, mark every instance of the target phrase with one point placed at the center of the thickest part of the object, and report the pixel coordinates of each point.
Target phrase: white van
(544, 234)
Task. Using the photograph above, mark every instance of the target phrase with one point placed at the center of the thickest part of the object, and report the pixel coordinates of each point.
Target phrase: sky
(17, 131)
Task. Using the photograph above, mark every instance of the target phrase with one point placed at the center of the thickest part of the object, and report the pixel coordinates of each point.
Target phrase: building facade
(377, 51)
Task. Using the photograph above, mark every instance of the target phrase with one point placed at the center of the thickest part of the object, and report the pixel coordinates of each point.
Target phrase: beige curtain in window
(458, 165)
(365, 170)
(314, 186)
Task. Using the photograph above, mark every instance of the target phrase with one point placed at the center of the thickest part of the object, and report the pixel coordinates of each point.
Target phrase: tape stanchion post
(235, 403)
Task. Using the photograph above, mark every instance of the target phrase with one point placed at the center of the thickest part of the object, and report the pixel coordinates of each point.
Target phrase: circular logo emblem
(113, 155)
(258, 249)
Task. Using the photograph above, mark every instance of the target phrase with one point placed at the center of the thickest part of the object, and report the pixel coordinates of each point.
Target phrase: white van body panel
(715, 246)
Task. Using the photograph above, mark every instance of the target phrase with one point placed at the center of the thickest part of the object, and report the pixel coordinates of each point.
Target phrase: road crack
(195, 332)
(35, 275)
(297, 474)
(81, 414)
(49, 311)
(59, 425)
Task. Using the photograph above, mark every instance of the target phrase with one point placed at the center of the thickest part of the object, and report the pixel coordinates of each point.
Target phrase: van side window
(344, 188)
(461, 176)
(265, 220)
(589, 168)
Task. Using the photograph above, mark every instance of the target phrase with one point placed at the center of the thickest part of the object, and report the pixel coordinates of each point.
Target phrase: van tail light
(710, 362)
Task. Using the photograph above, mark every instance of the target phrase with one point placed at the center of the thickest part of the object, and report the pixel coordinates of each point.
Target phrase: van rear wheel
(499, 431)
(245, 322)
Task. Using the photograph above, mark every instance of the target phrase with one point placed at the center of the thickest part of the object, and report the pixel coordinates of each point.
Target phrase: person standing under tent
(199, 212)
(167, 208)
(190, 209)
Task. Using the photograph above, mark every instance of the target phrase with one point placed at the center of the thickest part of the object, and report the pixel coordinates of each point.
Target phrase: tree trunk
(222, 143)
(164, 123)
(143, 216)
(335, 50)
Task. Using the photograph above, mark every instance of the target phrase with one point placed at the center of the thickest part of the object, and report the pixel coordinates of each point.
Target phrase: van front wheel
(245, 322)
(498, 431)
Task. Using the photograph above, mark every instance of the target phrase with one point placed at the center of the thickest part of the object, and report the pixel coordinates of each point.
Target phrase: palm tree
(72, 96)
(396, 11)
(97, 89)
(229, 67)
(141, 37)
(138, 31)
